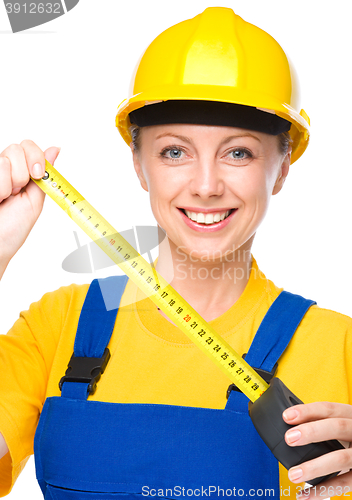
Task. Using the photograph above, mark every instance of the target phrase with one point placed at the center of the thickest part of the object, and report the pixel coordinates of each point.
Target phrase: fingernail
(292, 436)
(290, 414)
(295, 473)
(37, 170)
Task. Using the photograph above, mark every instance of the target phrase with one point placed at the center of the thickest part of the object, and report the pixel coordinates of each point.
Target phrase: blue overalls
(95, 450)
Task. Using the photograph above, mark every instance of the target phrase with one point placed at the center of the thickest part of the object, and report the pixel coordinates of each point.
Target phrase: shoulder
(317, 362)
(324, 331)
(61, 298)
(318, 317)
(328, 330)
(69, 299)
(318, 325)
(53, 309)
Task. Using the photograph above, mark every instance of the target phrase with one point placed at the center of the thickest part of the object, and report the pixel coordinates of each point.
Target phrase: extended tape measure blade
(145, 276)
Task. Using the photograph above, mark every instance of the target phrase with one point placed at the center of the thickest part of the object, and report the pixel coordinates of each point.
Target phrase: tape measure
(265, 412)
(145, 276)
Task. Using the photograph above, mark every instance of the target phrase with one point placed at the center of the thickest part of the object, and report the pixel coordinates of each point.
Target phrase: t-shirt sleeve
(26, 355)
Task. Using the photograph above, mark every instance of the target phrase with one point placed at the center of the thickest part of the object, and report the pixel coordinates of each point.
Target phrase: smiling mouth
(207, 218)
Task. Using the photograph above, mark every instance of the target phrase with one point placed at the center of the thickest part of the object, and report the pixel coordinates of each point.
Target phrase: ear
(283, 173)
(138, 168)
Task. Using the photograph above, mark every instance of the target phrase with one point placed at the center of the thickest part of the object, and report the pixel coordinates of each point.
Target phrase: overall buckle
(267, 376)
(86, 370)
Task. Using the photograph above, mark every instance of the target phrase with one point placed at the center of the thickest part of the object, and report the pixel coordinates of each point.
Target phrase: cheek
(159, 189)
(163, 187)
(165, 183)
(253, 187)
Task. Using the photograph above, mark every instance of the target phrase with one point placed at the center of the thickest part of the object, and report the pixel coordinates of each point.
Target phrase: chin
(205, 252)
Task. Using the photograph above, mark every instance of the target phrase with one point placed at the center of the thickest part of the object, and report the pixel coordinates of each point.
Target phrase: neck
(210, 287)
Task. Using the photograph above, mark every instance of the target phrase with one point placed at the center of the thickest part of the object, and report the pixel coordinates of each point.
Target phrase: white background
(61, 84)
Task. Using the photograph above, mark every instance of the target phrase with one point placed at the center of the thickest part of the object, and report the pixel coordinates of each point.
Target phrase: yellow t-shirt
(149, 355)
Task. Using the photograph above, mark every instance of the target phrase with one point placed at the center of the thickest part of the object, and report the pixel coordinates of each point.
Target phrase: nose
(207, 179)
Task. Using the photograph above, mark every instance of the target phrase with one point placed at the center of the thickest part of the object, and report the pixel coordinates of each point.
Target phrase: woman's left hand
(320, 422)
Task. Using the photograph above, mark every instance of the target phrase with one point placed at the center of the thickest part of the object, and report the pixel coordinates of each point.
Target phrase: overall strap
(277, 329)
(273, 335)
(95, 327)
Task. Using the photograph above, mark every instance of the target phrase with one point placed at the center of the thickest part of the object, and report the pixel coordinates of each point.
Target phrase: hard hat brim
(299, 131)
(224, 114)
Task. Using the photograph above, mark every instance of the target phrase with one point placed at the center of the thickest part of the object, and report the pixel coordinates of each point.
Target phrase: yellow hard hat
(219, 57)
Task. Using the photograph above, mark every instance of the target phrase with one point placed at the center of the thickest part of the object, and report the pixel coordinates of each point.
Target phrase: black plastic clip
(86, 370)
(267, 376)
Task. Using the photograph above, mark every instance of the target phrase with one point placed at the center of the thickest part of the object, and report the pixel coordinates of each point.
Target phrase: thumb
(33, 191)
(51, 154)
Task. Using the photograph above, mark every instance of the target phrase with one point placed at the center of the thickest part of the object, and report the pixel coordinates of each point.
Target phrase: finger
(335, 461)
(339, 486)
(19, 174)
(316, 411)
(51, 154)
(35, 159)
(320, 430)
(36, 197)
(5, 178)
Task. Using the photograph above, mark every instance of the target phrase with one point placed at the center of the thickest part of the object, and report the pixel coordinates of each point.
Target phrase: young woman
(213, 123)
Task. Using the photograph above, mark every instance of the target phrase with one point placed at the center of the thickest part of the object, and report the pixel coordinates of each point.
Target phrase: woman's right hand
(21, 200)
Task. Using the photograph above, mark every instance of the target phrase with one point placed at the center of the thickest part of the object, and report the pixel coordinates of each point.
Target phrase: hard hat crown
(217, 56)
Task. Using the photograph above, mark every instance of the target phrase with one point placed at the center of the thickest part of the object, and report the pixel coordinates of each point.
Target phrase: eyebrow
(225, 141)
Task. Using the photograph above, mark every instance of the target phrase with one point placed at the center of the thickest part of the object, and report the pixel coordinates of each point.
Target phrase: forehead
(192, 133)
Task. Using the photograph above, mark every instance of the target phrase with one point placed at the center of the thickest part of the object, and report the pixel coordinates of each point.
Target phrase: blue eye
(175, 153)
(172, 153)
(240, 154)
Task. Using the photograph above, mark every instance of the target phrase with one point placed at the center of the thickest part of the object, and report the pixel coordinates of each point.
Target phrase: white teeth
(209, 218)
(202, 218)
